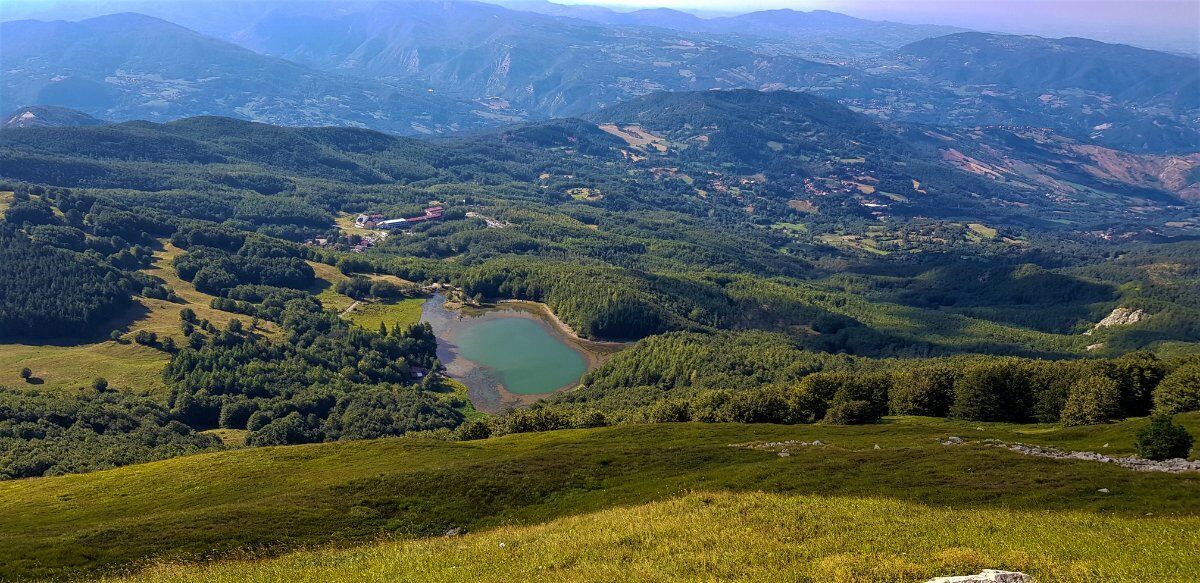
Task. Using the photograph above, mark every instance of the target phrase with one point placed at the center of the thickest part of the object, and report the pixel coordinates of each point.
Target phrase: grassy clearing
(162, 317)
(6, 198)
(402, 313)
(345, 224)
(982, 230)
(125, 365)
(269, 500)
(757, 537)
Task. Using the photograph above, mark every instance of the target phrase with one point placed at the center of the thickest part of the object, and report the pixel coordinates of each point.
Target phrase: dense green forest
(750, 301)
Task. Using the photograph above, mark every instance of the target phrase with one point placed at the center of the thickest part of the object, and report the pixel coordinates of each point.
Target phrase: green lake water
(528, 358)
(510, 349)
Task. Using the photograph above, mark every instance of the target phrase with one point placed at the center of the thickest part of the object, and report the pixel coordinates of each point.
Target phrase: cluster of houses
(376, 221)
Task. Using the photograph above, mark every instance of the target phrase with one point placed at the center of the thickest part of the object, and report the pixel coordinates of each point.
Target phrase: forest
(741, 305)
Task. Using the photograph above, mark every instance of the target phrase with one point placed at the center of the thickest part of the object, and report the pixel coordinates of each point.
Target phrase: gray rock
(456, 531)
(986, 576)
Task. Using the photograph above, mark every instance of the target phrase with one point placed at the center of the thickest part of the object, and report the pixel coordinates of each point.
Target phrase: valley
(450, 291)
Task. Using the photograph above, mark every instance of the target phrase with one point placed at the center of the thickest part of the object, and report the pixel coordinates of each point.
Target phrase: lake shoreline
(487, 390)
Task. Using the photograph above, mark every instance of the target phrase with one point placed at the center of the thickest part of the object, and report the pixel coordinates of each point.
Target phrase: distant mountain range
(131, 66)
(421, 67)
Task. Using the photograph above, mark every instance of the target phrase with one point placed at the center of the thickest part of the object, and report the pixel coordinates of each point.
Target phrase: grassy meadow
(980, 505)
(126, 365)
(754, 536)
(405, 312)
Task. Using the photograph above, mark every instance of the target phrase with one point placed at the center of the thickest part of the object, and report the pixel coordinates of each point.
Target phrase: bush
(532, 420)
(590, 418)
(852, 413)
(709, 406)
(757, 406)
(236, 413)
(669, 411)
(1162, 439)
(258, 420)
(100, 384)
(925, 391)
(1092, 400)
(285, 431)
(1179, 392)
(871, 388)
(472, 430)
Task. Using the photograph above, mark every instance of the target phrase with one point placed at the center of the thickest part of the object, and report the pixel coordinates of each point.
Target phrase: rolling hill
(42, 116)
(511, 61)
(130, 66)
(1114, 95)
(274, 499)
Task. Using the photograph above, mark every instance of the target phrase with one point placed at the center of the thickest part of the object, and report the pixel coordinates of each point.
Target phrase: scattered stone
(1171, 466)
(1105, 445)
(785, 453)
(1103, 490)
(986, 576)
(877, 446)
(777, 446)
(952, 440)
(456, 531)
(817, 442)
(502, 545)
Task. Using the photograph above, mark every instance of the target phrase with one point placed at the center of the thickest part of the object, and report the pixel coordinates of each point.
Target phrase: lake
(508, 355)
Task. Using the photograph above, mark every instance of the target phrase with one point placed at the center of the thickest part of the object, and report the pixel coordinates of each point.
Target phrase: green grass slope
(753, 536)
(270, 500)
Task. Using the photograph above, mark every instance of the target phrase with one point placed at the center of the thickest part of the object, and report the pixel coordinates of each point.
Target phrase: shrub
(285, 431)
(539, 419)
(258, 420)
(145, 337)
(1179, 392)
(100, 384)
(926, 391)
(1162, 439)
(472, 430)
(590, 418)
(669, 411)
(709, 406)
(852, 413)
(1092, 400)
(756, 406)
(26, 374)
(236, 413)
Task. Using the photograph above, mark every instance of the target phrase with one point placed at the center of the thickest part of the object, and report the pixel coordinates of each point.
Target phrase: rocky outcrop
(986, 576)
(1172, 466)
(1119, 317)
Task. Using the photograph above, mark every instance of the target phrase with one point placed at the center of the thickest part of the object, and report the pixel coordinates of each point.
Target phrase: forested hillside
(742, 237)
